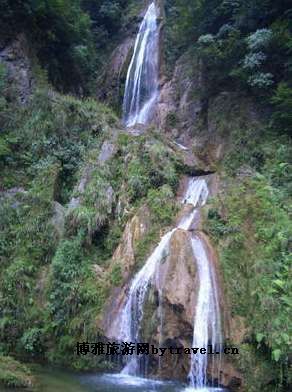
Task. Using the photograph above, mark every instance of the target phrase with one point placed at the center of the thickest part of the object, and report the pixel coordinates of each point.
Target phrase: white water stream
(141, 90)
(207, 320)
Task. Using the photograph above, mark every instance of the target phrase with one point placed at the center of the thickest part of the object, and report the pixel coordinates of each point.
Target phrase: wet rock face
(124, 256)
(182, 113)
(111, 84)
(177, 279)
(134, 231)
(180, 104)
(200, 123)
(17, 58)
(176, 282)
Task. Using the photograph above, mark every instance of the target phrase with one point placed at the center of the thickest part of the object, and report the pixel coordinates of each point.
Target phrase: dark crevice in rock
(198, 172)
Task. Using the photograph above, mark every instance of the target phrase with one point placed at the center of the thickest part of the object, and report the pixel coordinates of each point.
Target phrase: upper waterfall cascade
(141, 90)
(207, 327)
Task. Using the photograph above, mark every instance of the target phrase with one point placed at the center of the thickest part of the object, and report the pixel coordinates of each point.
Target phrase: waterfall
(141, 92)
(141, 88)
(131, 315)
(132, 312)
(197, 192)
(207, 323)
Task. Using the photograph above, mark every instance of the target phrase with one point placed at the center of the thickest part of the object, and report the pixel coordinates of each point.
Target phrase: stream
(55, 380)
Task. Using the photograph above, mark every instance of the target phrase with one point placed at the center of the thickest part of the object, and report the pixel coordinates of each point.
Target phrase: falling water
(197, 192)
(207, 323)
(132, 313)
(141, 89)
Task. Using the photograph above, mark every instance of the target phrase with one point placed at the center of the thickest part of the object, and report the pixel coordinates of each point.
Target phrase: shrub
(32, 341)
(116, 275)
(13, 374)
(161, 204)
(254, 60)
(260, 39)
(261, 80)
(255, 262)
(282, 101)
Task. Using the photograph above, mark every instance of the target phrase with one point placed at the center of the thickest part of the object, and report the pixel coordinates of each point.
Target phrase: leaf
(279, 283)
(259, 337)
(283, 165)
(276, 354)
(285, 337)
(286, 300)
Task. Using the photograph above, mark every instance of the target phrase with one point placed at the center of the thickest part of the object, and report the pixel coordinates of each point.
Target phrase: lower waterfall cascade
(207, 321)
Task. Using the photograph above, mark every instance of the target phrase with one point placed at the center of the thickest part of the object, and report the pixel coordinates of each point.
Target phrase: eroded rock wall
(17, 58)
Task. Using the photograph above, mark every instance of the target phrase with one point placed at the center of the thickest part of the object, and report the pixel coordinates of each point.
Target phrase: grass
(13, 374)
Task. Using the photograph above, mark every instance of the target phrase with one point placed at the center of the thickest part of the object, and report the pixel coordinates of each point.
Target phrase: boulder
(107, 151)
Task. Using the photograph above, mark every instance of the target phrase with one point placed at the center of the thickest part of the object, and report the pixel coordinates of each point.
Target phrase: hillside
(85, 199)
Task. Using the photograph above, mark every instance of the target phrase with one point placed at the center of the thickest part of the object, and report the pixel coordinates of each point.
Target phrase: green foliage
(220, 54)
(258, 371)
(162, 209)
(14, 374)
(250, 222)
(52, 129)
(255, 257)
(217, 226)
(96, 204)
(260, 39)
(282, 101)
(45, 144)
(116, 275)
(32, 341)
(57, 29)
(3, 85)
(66, 35)
(161, 204)
(26, 241)
(67, 269)
(76, 297)
(254, 61)
(243, 45)
(151, 165)
(143, 246)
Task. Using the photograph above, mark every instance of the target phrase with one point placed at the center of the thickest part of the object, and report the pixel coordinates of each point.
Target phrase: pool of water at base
(52, 380)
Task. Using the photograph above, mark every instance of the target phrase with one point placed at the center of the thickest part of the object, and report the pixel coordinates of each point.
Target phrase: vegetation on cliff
(66, 35)
(63, 208)
(56, 234)
(243, 48)
(250, 223)
(13, 374)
